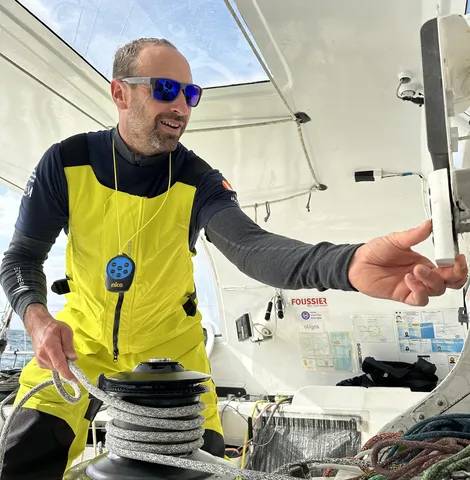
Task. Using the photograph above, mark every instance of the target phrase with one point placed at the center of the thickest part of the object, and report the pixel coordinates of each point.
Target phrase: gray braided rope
(137, 445)
(9, 381)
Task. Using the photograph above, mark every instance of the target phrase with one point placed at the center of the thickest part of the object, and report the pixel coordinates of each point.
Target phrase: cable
(227, 405)
(271, 415)
(282, 199)
(418, 99)
(424, 184)
(244, 125)
(246, 440)
(279, 304)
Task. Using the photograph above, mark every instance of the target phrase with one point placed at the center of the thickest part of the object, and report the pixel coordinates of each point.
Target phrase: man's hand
(52, 340)
(386, 267)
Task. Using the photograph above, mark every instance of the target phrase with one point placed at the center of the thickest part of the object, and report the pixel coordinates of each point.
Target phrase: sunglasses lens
(166, 90)
(192, 94)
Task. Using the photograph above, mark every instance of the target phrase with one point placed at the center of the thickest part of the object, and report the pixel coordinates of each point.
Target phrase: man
(137, 191)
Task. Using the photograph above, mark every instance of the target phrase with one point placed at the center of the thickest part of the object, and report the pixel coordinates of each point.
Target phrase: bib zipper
(117, 320)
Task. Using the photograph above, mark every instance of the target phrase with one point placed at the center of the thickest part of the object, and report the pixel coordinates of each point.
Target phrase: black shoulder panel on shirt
(193, 170)
(74, 151)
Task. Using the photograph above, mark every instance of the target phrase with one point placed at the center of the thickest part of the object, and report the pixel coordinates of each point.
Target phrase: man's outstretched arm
(385, 267)
(276, 260)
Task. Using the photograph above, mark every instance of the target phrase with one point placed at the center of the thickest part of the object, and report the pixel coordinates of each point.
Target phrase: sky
(55, 264)
(203, 30)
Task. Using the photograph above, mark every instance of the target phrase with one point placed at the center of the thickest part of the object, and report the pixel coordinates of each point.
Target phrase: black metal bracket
(462, 316)
(302, 117)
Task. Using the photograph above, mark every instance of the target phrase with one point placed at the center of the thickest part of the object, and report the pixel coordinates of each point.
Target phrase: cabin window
(207, 289)
(54, 266)
(205, 32)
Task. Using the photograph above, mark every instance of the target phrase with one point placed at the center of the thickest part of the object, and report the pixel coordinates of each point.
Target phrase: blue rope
(451, 425)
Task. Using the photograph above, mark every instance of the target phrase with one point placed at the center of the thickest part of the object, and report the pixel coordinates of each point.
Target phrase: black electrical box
(244, 330)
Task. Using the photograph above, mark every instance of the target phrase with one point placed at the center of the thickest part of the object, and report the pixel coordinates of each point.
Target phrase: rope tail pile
(434, 448)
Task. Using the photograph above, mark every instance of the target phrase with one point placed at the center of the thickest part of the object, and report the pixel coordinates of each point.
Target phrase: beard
(151, 137)
(160, 138)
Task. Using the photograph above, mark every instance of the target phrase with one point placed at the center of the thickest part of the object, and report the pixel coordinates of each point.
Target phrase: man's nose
(179, 105)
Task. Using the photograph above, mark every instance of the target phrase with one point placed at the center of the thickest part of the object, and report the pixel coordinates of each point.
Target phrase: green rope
(444, 469)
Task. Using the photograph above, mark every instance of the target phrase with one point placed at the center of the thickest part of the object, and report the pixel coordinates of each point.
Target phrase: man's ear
(120, 94)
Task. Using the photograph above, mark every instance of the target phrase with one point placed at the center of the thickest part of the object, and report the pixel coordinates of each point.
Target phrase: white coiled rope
(138, 445)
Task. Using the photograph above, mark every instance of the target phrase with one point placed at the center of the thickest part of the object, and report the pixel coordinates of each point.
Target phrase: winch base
(112, 467)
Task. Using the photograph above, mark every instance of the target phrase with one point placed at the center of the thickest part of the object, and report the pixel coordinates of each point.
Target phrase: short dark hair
(124, 64)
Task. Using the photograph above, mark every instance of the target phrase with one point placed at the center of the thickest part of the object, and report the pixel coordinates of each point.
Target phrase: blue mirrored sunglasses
(166, 89)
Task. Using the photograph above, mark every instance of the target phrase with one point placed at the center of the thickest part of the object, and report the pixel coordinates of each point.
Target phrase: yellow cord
(117, 203)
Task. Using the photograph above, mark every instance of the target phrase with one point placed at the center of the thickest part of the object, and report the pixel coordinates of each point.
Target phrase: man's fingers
(434, 283)
(457, 285)
(407, 239)
(67, 344)
(437, 280)
(459, 273)
(418, 296)
(455, 276)
(58, 362)
(461, 263)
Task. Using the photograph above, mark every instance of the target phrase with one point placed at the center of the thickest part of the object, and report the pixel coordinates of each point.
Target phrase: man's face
(155, 125)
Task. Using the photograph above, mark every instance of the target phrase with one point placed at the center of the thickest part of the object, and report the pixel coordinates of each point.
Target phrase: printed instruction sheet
(326, 351)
